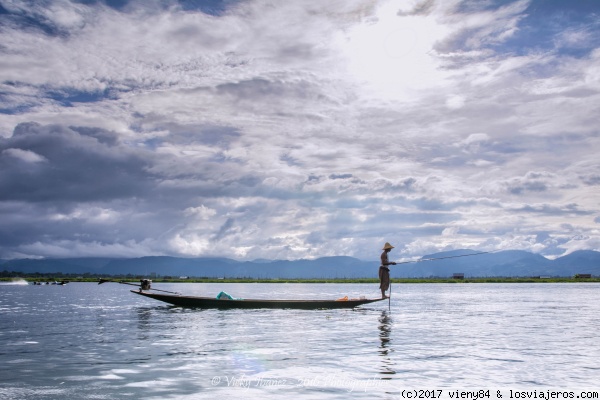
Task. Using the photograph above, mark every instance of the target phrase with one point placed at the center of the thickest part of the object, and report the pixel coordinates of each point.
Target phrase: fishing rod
(444, 258)
(432, 259)
(144, 284)
(390, 297)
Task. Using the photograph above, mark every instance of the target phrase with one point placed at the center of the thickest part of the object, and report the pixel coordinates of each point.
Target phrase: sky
(298, 129)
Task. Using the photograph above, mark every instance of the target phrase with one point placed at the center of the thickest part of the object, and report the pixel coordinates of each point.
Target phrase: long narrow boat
(211, 302)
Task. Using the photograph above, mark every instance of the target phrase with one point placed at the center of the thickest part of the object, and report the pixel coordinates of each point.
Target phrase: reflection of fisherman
(384, 271)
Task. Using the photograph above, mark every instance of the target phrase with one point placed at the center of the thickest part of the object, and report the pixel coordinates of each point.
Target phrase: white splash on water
(18, 281)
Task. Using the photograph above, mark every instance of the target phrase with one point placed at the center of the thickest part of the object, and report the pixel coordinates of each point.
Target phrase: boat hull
(211, 302)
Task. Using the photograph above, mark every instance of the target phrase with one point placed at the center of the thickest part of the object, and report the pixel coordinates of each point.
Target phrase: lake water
(85, 340)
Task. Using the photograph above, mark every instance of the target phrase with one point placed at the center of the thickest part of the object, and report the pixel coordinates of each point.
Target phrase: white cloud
(201, 212)
(24, 155)
(455, 102)
(90, 214)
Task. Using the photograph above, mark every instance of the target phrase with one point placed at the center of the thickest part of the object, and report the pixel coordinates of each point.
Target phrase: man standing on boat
(384, 271)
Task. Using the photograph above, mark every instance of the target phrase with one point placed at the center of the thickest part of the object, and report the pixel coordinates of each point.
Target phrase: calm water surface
(83, 340)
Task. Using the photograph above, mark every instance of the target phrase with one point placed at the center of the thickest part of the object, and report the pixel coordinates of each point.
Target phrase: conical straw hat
(387, 246)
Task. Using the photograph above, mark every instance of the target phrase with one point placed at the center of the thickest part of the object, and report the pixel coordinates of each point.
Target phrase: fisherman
(384, 271)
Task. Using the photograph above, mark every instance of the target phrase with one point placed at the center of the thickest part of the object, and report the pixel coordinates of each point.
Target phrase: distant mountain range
(513, 263)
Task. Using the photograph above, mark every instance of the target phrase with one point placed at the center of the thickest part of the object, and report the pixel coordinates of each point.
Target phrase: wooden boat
(212, 302)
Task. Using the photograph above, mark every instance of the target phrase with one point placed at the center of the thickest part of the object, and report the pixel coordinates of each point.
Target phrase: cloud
(297, 130)
(27, 156)
(455, 102)
(76, 167)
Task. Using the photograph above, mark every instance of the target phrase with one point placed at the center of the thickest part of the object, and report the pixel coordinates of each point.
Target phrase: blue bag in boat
(224, 296)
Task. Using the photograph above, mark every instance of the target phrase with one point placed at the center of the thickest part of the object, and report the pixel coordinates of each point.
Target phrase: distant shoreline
(354, 280)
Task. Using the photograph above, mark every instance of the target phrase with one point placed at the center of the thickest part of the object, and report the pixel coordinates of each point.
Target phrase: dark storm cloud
(340, 176)
(591, 179)
(56, 163)
(531, 182)
(224, 230)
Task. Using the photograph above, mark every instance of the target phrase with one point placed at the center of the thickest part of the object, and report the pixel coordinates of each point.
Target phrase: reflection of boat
(212, 302)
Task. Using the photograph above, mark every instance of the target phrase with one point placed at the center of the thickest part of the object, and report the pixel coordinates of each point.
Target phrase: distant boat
(212, 302)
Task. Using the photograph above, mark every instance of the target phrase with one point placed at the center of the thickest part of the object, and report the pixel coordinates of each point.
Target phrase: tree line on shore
(88, 277)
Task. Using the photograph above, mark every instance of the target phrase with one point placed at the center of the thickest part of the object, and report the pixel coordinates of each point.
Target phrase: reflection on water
(385, 337)
(90, 341)
(385, 329)
(144, 315)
